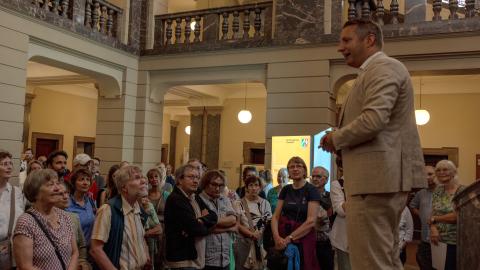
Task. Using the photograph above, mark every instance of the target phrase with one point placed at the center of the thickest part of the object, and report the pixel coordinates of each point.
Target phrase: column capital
(174, 123)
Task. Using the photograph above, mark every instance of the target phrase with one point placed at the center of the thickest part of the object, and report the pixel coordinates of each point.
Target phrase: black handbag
(276, 259)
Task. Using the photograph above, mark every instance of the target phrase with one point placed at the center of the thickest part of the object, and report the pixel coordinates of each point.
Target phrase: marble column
(299, 21)
(173, 143)
(205, 134)
(26, 119)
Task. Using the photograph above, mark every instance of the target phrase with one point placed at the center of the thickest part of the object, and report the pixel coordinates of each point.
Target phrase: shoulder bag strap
(12, 212)
(247, 213)
(57, 252)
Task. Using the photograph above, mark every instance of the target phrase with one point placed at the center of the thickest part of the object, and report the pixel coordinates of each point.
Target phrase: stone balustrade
(59, 7)
(234, 24)
(103, 17)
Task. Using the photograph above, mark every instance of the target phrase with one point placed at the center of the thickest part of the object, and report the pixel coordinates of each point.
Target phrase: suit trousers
(372, 230)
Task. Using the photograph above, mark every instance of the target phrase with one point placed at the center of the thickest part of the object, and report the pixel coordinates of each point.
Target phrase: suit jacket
(377, 133)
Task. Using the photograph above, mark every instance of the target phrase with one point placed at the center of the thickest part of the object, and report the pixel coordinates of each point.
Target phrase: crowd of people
(139, 221)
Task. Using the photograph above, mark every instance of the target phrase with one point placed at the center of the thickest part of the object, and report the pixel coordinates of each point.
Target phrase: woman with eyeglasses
(295, 216)
(443, 222)
(12, 204)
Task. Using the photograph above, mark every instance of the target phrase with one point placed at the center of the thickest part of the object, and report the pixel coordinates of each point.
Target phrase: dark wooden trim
(451, 152)
(77, 139)
(48, 136)
(247, 146)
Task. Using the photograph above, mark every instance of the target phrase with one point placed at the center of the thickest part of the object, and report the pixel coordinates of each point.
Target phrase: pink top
(44, 256)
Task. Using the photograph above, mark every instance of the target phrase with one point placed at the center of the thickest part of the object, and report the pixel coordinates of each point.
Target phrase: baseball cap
(81, 159)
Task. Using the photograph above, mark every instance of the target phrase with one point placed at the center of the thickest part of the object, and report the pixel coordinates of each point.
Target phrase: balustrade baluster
(196, 32)
(103, 13)
(246, 24)
(469, 8)
(64, 5)
(437, 8)
(95, 15)
(366, 10)
(225, 25)
(45, 5)
(55, 5)
(188, 29)
(88, 14)
(257, 24)
(169, 32)
(453, 6)
(394, 11)
(352, 11)
(236, 24)
(380, 12)
(36, 3)
(178, 30)
(110, 22)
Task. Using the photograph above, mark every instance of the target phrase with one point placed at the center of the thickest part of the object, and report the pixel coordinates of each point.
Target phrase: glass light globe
(192, 25)
(187, 130)
(422, 117)
(244, 116)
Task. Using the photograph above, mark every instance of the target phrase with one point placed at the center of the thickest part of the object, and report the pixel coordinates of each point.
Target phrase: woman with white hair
(443, 222)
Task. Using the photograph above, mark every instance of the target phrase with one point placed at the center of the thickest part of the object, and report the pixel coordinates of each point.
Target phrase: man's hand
(326, 143)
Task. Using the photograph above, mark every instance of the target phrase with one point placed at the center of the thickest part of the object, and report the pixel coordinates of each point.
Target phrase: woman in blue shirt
(81, 201)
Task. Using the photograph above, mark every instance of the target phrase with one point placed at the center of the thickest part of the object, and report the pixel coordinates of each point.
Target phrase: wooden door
(45, 143)
(45, 146)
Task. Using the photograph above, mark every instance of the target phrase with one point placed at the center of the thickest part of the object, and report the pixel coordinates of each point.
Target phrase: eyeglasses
(191, 177)
(295, 166)
(318, 176)
(6, 163)
(215, 185)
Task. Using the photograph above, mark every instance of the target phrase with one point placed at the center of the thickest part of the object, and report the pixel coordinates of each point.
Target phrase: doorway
(45, 143)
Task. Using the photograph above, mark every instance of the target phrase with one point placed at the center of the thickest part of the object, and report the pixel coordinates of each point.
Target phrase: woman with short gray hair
(44, 237)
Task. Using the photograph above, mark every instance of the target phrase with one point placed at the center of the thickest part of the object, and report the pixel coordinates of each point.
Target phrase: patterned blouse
(441, 205)
(44, 256)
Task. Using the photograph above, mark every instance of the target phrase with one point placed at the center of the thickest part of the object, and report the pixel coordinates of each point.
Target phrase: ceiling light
(245, 116)
(421, 116)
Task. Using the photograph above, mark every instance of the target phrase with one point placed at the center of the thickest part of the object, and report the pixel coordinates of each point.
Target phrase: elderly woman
(158, 194)
(443, 223)
(81, 243)
(296, 213)
(12, 204)
(44, 236)
(282, 180)
(254, 213)
(81, 203)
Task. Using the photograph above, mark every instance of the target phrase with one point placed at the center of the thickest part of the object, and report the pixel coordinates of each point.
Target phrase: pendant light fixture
(421, 116)
(245, 116)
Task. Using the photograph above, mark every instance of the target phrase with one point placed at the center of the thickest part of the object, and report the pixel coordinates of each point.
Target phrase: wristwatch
(291, 238)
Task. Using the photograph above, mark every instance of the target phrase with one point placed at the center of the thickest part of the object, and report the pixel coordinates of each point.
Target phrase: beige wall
(233, 134)
(59, 113)
(13, 63)
(454, 123)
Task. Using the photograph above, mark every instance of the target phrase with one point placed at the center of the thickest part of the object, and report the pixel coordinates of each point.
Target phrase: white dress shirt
(338, 234)
(5, 199)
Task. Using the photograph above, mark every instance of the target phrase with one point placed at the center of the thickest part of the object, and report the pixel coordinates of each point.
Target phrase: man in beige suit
(378, 140)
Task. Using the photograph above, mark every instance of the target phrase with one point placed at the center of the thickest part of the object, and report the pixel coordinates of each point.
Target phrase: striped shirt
(134, 250)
